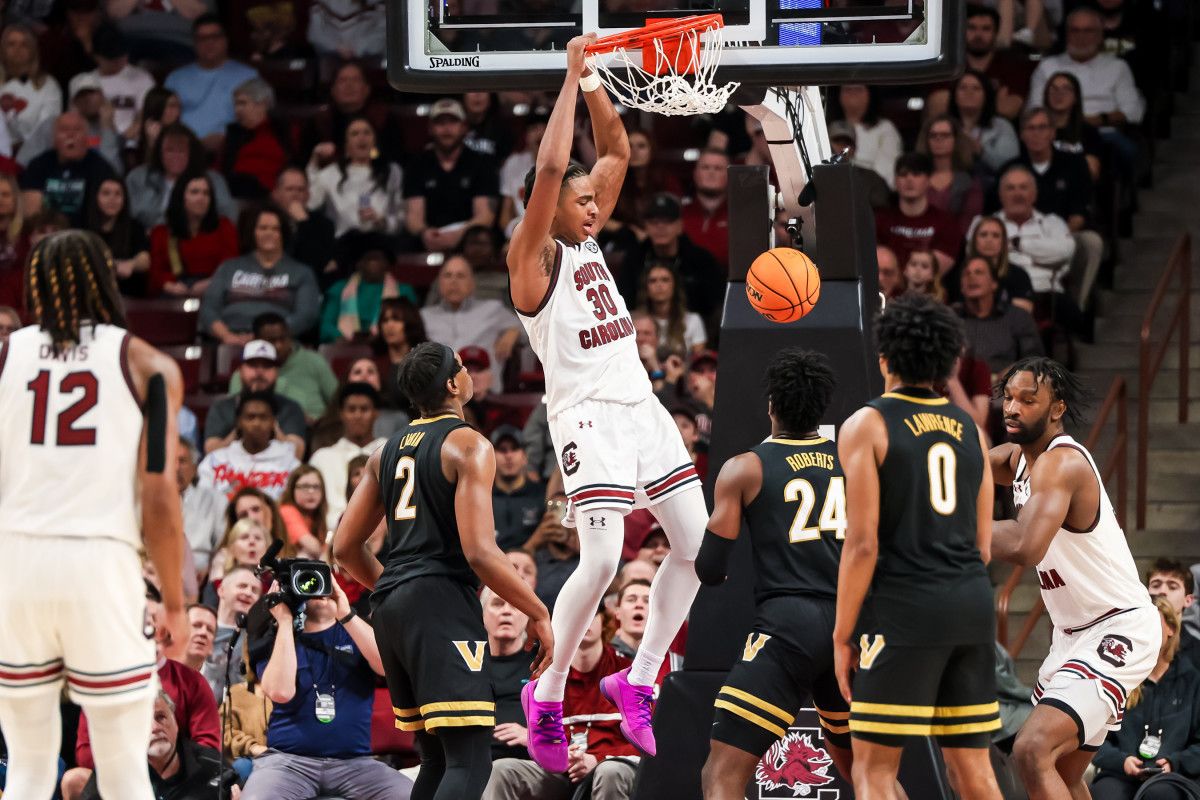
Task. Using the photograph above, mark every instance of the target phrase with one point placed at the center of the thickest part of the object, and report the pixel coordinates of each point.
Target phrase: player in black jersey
(792, 495)
(919, 507)
(433, 480)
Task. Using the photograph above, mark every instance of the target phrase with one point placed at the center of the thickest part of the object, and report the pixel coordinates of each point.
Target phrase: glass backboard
(458, 45)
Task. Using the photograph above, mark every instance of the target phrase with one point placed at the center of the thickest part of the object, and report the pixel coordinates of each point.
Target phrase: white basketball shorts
(620, 456)
(1090, 672)
(74, 610)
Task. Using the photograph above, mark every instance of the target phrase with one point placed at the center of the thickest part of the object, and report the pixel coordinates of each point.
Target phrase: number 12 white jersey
(70, 438)
(583, 334)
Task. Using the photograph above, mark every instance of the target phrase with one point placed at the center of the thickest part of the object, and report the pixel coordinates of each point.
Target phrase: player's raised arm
(361, 518)
(531, 253)
(158, 379)
(983, 506)
(1053, 479)
(612, 147)
(472, 462)
(862, 445)
(737, 484)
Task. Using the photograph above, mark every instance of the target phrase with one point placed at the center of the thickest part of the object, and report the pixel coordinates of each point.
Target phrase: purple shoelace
(549, 728)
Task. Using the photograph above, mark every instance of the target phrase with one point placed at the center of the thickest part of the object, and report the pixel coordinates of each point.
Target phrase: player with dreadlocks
(1106, 629)
(89, 423)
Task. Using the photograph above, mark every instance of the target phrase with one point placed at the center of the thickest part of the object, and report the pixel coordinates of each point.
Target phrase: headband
(446, 370)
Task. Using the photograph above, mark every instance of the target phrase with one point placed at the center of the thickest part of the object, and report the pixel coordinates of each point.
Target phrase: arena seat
(192, 362)
(341, 355)
(386, 740)
(163, 321)
(418, 270)
(293, 80)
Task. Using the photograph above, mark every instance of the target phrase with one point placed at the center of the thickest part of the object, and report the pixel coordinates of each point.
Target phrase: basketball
(783, 284)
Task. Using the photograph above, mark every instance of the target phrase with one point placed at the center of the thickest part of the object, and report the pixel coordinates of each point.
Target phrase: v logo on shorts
(754, 643)
(870, 647)
(473, 657)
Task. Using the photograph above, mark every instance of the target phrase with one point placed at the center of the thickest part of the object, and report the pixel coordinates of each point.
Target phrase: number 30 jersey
(69, 441)
(418, 505)
(930, 585)
(583, 334)
(798, 519)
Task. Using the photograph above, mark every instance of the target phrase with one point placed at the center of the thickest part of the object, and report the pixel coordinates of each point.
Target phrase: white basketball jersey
(70, 438)
(583, 334)
(1086, 575)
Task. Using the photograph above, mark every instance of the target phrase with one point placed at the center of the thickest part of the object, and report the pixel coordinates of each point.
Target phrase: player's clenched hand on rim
(576, 58)
(845, 661)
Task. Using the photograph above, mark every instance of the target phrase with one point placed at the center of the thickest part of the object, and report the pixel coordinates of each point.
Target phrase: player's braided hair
(1063, 384)
(574, 170)
(919, 337)
(71, 281)
(799, 384)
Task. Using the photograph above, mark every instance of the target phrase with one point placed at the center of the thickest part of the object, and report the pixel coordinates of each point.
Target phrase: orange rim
(663, 29)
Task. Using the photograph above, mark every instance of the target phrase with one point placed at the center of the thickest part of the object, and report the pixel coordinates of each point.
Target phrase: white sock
(601, 536)
(119, 736)
(33, 731)
(683, 519)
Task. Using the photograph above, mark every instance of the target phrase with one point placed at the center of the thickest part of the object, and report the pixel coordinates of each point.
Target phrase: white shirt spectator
(998, 141)
(476, 322)
(25, 106)
(694, 335)
(342, 199)
(877, 149)
(512, 181)
(1105, 80)
(1042, 246)
(227, 469)
(203, 522)
(332, 462)
(125, 90)
(344, 28)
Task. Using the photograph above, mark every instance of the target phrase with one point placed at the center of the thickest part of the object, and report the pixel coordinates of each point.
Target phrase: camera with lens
(299, 579)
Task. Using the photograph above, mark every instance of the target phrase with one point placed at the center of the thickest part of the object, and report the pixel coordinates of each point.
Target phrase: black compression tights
(455, 764)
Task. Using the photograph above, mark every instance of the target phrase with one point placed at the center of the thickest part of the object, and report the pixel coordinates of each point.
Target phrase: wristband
(589, 82)
(344, 620)
(657, 375)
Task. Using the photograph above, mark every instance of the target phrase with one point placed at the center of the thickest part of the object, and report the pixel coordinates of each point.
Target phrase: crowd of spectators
(317, 230)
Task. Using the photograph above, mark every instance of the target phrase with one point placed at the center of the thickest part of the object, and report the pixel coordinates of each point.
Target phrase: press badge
(326, 710)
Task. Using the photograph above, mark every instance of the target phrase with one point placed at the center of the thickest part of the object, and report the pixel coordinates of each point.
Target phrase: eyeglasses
(308, 487)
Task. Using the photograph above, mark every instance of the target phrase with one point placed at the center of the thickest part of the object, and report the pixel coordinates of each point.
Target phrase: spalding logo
(441, 62)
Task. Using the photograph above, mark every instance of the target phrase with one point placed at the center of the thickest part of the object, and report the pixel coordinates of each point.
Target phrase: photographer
(322, 682)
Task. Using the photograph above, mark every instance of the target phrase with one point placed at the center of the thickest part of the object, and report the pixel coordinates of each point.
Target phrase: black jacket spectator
(64, 178)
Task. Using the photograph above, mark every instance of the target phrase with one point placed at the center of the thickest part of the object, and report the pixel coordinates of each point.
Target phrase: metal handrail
(1150, 357)
(1118, 463)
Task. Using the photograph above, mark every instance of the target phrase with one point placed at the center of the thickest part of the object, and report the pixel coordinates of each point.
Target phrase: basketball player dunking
(614, 439)
(1106, 629)
(89, 416)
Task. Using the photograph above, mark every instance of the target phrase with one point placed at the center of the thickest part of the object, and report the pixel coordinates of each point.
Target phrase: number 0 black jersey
(418, 505)
(798, 520)
(930, 584)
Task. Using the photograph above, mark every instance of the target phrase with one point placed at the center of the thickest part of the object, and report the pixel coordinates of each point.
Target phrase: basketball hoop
(678, 69)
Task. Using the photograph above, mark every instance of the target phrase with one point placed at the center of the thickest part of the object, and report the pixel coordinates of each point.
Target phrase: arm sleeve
(203, 723)
(327, 382)
(316, 187)
(205, 475)
(306, 306)
(1001, 145)
(1128, 99)
(291, 418)
(890, 148)
(235, 383)
(212, 304)
(331, 308)
(226, 206)
(1037, 83)
(1054, 247)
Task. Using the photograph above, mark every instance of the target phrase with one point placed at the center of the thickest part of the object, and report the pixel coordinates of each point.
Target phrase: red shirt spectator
(195, 711)
(192, 260)
(913, 224)
(706, 212)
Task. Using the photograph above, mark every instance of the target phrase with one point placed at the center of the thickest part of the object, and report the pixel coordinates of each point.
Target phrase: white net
(681, 84)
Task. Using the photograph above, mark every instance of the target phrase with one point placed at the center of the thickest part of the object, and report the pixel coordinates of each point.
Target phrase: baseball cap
(703, 357)
(663, 205)
(84, 82)
(260, 350)
(507, 432)
(447, 107)
(476, 357)
(840, 129)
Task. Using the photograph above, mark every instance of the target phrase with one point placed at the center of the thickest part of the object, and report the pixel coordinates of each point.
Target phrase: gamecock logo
(794, 763)
(1114, 649)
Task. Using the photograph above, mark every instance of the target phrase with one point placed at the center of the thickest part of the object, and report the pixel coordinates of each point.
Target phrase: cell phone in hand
(1150, 770)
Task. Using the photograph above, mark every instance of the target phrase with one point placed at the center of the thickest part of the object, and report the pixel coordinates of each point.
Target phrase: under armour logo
(597, 522)
(586, 422)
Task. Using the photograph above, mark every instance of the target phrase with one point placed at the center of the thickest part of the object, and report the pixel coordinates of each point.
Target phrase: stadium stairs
(1166, 211)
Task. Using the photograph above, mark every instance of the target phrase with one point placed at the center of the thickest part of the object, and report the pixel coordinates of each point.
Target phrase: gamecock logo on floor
(794, 767)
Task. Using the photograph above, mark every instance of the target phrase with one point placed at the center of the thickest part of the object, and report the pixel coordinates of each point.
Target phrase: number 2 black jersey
(418, 505)
(930, 584)
(798, 520)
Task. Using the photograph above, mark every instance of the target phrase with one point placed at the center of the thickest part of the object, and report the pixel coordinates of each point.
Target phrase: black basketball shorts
(434, 651)
(787, 659)
(944, 691)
